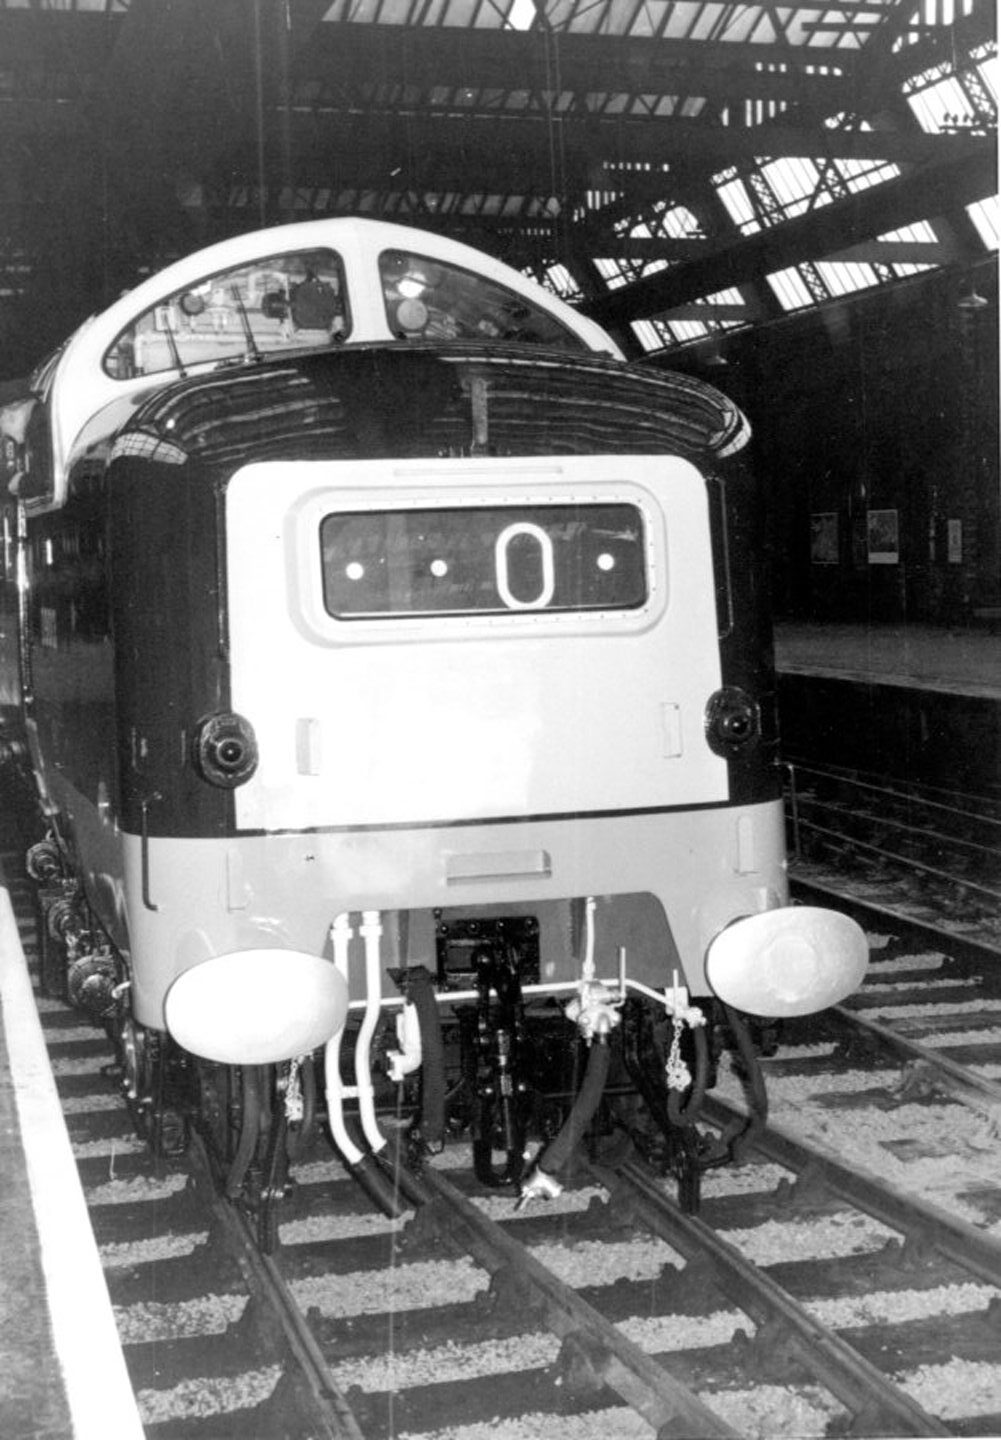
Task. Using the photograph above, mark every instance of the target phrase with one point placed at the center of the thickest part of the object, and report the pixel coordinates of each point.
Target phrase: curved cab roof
(86, 403)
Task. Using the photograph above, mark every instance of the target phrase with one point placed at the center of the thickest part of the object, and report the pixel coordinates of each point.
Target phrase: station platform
(917, 703)
(64, 1375)
(922, 657)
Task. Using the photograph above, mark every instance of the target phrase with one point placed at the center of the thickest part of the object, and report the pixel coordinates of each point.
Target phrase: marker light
(256, 1007)
(791, 961)
(733, 721)
(224, 749)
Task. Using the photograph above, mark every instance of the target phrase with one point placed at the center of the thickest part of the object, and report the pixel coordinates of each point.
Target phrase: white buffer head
(256, 1007)
(791, 961)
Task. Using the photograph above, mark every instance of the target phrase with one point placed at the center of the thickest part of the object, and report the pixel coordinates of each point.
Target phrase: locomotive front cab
(476, 631)
(506, 711)
(476, 670)
(494, 697)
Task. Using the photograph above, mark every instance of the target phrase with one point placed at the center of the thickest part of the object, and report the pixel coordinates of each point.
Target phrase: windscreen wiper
(252, 347)
(175, 353)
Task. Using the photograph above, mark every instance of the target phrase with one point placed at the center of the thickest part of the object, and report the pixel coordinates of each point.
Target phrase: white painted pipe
(340, 934)
(371, 931)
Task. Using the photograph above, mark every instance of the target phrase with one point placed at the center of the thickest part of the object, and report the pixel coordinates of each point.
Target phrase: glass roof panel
(921, 234)
(986, 216)
(942, 99)
(558, 279)
(521, 14)
(650, 334)
(844, 277)
(792, 181)
(623, 272)
(941, 105)
(648, 20)
(989, 69)
(734, 197)
(676, 221)
(789, 289)
(682, 330)
(471, 12)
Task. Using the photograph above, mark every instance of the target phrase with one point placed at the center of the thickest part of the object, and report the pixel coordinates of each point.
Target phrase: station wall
(876, 432)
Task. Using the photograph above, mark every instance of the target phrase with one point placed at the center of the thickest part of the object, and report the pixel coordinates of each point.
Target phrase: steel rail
(971, 1249)
(331, 1417)
(887, 789)
(957, 1080)
(904, 828)
(668, 1405)
(904, 861)
(982, 949)
(861, 1387)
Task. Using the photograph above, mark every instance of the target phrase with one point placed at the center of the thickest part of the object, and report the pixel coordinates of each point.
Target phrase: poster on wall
(955, 542)
(883, 536)
(824, 538)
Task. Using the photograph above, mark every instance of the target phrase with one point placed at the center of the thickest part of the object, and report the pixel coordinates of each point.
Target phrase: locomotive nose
(256, 1007)
(795, 960)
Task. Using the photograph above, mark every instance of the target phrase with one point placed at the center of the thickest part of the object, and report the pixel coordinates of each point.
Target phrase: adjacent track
(914, 853)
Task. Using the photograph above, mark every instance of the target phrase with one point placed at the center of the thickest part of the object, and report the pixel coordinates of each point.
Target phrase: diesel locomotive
(395, 676)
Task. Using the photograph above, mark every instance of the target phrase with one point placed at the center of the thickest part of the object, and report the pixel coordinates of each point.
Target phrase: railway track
(944, 1020)
(915, 853)
(796, 1304)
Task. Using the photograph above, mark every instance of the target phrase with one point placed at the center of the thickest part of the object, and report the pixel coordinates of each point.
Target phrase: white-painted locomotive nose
(256, 1007)
(792, 961)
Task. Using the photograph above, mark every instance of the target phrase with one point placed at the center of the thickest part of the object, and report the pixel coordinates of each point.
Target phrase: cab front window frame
(429, 298)
(269, 305)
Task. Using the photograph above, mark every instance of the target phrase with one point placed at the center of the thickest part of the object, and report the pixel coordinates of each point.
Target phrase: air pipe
(595, 1013)
(363, 1166)
(388, 1160)
(383, 1180)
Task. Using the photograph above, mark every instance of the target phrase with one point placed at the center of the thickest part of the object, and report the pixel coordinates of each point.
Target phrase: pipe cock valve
(594, 1009)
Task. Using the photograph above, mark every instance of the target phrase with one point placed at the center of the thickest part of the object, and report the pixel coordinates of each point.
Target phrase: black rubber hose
(409, 1185)
(420, 993)
(582, 1112)
(378, 1185)
(250, 1128)
(753, 1082)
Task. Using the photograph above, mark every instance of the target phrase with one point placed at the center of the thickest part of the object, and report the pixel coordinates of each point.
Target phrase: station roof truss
(677, 168)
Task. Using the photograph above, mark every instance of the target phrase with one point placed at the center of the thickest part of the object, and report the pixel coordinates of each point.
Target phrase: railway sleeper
(258, 1331)
(774, 1353)
(874, 1418)
(578, 1368)
(293, 1408)
(809, 1190)
(915, 1253)
(511, 1296)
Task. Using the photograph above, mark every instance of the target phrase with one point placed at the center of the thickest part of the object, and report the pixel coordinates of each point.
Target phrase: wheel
(52, 958)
